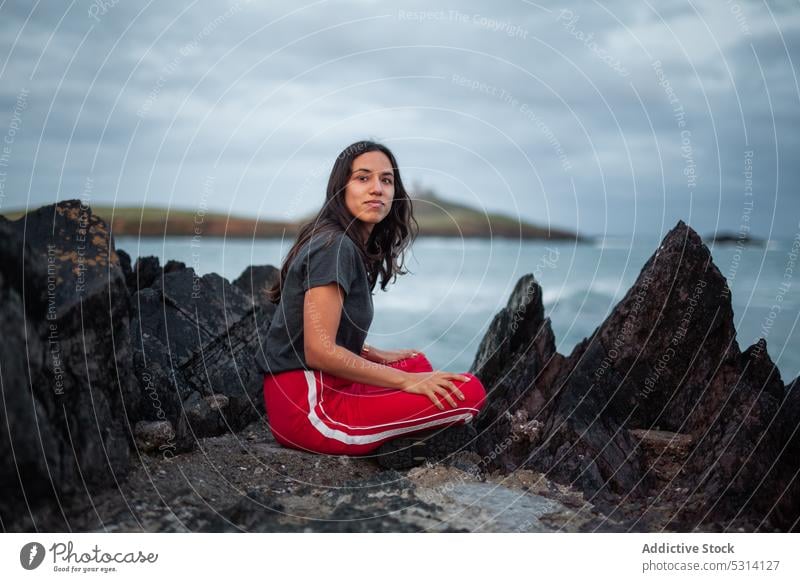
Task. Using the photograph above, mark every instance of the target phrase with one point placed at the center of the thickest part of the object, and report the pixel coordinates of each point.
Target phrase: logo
(31, 555)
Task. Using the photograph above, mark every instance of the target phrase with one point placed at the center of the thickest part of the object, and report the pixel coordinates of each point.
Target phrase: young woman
(325, 389)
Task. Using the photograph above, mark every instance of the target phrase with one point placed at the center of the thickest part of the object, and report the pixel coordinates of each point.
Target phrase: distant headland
(436, 217)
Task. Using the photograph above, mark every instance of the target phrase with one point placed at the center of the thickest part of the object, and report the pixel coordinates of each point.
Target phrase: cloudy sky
(605, 117)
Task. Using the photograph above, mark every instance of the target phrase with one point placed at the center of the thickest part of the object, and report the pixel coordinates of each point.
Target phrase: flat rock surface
(248, 482)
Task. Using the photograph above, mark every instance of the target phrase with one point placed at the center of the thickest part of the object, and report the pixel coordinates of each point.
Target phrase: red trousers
(321, 413)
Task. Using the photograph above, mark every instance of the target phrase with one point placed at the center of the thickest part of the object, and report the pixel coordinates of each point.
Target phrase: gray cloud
(500, 106)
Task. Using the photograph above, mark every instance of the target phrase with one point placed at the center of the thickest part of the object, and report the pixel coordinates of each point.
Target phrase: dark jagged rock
(658, 417)
(174, 266)
(526, 422)
(224, 368)
(255, 280)
(82, 385)
(125, 265)
(515, 362)
(153, 360)
(144, 274)
(172, 320)
(738, 443)
(785, 487)
(66, 359)
(210, 301)
(665, 359)
(146, 271)
(194, 338)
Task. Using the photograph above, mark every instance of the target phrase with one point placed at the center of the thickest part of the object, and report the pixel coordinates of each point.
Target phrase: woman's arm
(322, 310)
(374, 354)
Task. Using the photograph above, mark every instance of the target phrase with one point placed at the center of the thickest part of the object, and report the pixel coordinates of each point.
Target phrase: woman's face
(370, 190)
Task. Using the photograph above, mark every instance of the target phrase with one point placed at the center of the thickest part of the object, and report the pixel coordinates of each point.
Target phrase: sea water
(456, 286)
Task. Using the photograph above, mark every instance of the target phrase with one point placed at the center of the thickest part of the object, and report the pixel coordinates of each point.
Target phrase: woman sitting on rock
(325, 390)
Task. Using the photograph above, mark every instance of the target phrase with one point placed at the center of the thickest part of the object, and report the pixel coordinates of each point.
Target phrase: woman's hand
(435, 383)
(388, 356)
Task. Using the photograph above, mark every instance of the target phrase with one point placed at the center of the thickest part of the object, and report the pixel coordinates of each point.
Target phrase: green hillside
(435, 216)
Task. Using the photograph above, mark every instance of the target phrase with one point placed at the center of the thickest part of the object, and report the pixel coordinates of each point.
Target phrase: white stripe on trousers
(349, 439)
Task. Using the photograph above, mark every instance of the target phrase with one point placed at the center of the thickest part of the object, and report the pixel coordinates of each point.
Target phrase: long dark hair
(384, 251)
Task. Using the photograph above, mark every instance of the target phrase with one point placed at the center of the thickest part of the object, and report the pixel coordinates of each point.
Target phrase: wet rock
(510, 510)
(382, 503)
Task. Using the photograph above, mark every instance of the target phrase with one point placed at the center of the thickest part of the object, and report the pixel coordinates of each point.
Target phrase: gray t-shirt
(326, 258)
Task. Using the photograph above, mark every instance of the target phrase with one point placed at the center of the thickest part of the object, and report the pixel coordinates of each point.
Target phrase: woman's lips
(374, 204)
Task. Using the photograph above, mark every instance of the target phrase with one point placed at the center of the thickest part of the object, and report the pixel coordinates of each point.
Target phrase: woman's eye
(388, 181)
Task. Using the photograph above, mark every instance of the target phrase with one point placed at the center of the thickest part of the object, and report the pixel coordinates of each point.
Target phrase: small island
(735, 238)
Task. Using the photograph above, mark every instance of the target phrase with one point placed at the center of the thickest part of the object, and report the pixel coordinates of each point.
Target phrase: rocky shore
(131, 403)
